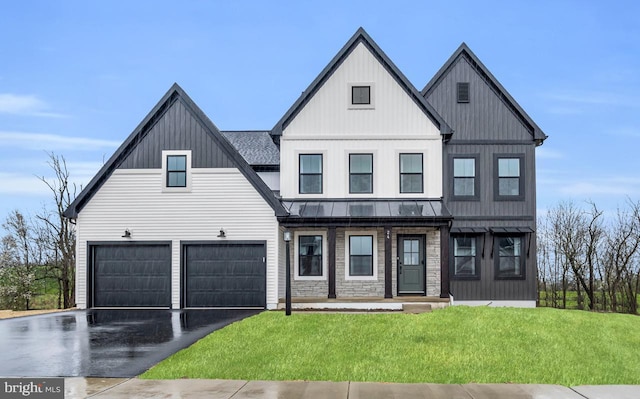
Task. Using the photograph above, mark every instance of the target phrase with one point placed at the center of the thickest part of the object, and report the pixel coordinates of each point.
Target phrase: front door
(411, 265)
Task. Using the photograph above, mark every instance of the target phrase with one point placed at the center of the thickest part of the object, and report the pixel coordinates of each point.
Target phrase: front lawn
(455, 345)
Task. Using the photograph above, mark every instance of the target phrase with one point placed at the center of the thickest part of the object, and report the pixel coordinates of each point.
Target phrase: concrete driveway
(103, 343)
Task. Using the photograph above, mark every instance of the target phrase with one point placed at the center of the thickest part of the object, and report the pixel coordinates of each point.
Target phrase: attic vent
(463, 92)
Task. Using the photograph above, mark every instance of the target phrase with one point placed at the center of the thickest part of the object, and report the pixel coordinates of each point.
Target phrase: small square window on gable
(361, 95)
(463, 92)
(176, 170)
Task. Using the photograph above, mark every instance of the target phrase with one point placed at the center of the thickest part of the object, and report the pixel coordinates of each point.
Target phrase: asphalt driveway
(103, 343)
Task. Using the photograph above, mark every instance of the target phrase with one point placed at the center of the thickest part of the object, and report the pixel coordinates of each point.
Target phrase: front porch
(400, 303)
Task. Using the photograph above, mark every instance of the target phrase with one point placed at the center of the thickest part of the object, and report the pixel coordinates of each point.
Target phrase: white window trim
(185, 189)
(375, 174)
(347, 258)
(372, 96)
(296, 260)
(324, 174)
(424, 173)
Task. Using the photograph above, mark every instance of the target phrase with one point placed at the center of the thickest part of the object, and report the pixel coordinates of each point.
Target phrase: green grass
(455, 345)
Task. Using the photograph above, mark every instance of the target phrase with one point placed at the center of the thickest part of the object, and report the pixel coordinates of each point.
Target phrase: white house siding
(271, 179)
(328, 112)
(328, 125)
(386, 165)
(219, 198)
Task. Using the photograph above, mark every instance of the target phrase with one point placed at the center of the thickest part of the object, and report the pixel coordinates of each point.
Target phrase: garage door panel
(132, 275)
(225, 275)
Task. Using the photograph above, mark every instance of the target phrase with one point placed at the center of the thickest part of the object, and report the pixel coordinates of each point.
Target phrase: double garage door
(224, 274)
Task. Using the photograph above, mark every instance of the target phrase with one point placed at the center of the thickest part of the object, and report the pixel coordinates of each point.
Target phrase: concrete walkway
(116, 388)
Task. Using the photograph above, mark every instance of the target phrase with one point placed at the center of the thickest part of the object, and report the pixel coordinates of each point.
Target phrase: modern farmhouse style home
(388, 196)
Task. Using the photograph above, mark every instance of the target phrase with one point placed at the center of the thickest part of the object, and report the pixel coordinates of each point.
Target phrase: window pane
(464, 167)
(465, 266)
(509, 186)
(361, 266)
(508, 265)
(464, 246)
(310, 184)
(508, 167)
(310, 266)
(410, 163)
(361, 163)
(177, 163)
(411, 183)
(311, 163)
(310, 245)
(360, 95)
(361, 183)
(361, 245)
(464, 186)
(177, 179)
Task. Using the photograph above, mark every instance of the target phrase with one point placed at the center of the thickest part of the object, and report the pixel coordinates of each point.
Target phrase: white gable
(329, 112)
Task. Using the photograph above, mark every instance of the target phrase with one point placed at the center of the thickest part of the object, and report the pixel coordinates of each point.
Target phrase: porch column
(331, 237)
(388, 277)
(444, 262)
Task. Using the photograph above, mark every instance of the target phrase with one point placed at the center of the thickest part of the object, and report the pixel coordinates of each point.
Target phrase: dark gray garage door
(131, 275)
(225, 275)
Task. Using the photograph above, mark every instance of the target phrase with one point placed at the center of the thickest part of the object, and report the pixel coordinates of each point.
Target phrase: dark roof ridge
(464, 51)
(361, 36)
(175, 93)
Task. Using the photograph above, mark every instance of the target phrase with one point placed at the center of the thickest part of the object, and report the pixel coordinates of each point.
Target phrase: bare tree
(61, 231)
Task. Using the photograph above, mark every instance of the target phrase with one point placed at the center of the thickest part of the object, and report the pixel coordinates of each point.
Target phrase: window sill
(309, 278)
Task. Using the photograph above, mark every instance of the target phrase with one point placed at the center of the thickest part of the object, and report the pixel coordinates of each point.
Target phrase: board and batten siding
(484, 117)
(328, 112)
(220, 198)
(386, 166)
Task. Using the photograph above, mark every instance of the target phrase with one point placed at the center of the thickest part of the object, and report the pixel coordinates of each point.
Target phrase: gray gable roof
(501, 92)
(361, 37)
(256, 147)
(174, 94)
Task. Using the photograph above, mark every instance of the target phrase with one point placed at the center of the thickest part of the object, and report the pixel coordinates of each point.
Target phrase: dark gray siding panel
(177, 129)
(484, 117)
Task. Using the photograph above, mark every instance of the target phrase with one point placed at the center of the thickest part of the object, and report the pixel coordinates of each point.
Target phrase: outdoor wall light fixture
(222, 233)
(287, 295)
(127, 233)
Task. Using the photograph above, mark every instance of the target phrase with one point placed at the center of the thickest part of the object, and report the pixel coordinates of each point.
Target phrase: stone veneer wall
(371, 288)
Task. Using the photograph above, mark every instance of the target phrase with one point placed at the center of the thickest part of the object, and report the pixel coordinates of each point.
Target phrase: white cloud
(28, 105)
(52, 142)
(21, 184)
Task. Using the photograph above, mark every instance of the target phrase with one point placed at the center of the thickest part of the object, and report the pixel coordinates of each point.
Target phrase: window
(465, 259)
(464, 178)
(360, 95)
(462, 91)
(176, 171)
(411, 173)
(310, 255)
(360, 173)
(310, 174)
(360, 255)
(509, 182)
(509, 262)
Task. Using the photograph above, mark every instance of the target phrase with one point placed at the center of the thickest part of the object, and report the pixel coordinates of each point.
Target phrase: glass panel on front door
(411, 265)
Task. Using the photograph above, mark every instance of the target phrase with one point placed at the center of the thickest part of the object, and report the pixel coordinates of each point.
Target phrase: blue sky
(76, 77)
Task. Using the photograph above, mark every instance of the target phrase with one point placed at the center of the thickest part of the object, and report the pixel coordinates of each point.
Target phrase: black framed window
(310, 173)
(466, 262)
(176, 171)
(360, 95)
(411, 174)
(310, 255)
(509, 259)
(361, 255)
(465, 178)
(462, 92)
(360, 173)
(509, 183)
